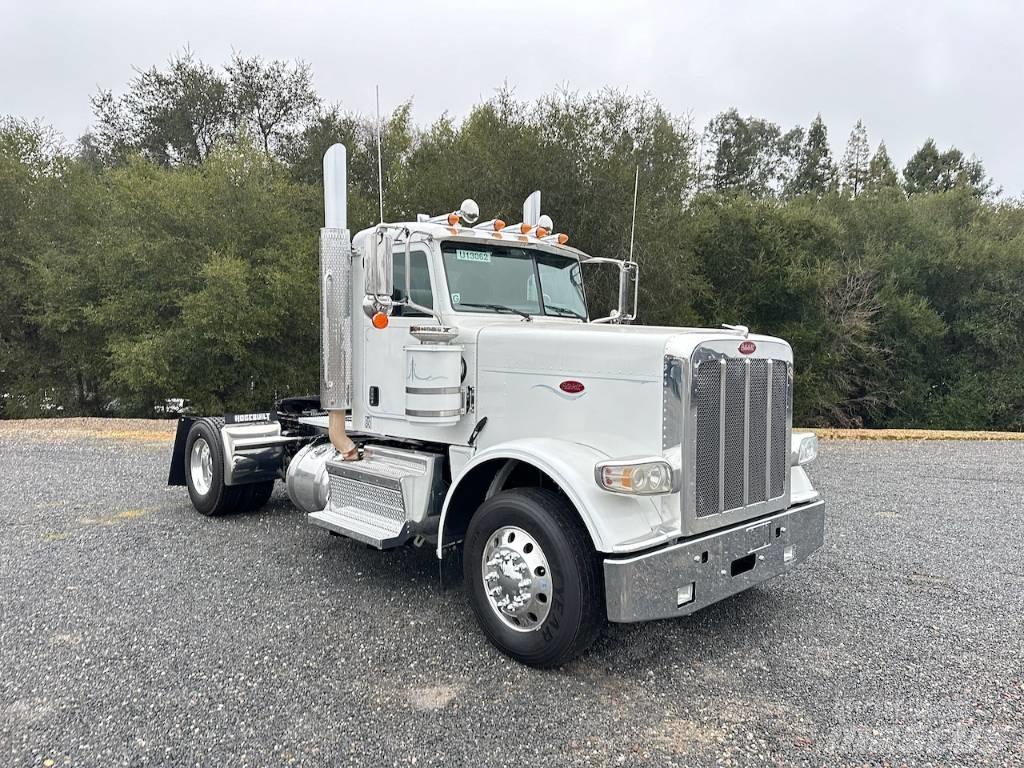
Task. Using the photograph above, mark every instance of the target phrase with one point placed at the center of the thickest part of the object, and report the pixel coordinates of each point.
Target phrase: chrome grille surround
(735, 434)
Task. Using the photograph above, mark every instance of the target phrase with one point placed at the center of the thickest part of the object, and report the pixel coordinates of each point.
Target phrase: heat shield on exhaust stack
(335, 287)
(335, 319)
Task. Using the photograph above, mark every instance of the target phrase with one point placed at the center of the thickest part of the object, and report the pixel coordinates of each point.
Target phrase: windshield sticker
(456, 298)
(464, 255)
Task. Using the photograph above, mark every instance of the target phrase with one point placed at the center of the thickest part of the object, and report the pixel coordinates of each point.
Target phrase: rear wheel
(256, 495)
(532, 577)
(204, 470)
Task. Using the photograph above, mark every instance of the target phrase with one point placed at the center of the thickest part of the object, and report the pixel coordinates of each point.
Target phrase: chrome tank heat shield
(307, 480)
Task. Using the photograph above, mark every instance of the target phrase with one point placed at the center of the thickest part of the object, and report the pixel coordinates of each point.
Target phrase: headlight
(805, 448)
(643, 477)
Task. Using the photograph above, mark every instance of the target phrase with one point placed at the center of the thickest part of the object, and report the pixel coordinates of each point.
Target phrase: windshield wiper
(562, 311)
(498, 308)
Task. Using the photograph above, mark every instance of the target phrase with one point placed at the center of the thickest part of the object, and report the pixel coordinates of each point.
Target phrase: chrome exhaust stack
(336, 299)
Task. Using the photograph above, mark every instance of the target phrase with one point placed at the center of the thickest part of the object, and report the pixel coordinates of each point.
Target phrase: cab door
(384, 353)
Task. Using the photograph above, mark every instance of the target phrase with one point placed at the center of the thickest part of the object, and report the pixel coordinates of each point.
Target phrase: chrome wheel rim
(201, 466)
(517, 579)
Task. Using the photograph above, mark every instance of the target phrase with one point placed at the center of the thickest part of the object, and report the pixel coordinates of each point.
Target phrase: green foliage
(748, 154)
(881, 172)
(929, 170)
(173, 254)
(815, 172)
(178, 115)
(856, 165)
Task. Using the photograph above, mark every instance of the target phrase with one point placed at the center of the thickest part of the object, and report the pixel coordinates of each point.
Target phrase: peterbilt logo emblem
(747, 347)
(571, 387)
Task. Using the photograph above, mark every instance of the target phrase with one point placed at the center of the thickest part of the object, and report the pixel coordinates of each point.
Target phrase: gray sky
(954, 71)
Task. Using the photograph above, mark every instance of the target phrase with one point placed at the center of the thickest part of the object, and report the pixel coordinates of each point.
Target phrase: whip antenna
(380, 173)
(632, 228)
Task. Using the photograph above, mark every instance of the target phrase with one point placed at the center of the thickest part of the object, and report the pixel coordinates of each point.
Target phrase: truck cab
(586, 467)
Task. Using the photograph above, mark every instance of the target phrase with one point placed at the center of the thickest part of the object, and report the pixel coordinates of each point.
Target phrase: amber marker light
(541, 232)
(498, 225)
(453, 219)
(380, 321)
(562, 238)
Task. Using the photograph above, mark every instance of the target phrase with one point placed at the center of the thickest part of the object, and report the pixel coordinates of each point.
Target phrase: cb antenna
(380, 173)
(632, 228)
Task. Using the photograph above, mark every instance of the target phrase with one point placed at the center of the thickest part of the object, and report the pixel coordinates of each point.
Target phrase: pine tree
(881, 171)
(856, 160)
(815, 172)
(923, 169)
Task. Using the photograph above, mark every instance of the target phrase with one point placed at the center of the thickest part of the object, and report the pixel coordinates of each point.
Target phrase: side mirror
(378, 267)
(629, 285)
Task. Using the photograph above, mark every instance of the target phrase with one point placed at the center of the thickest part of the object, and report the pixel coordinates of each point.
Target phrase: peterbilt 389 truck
(589, 469)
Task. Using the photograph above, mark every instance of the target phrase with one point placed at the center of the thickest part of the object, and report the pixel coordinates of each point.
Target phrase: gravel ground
(136, 632)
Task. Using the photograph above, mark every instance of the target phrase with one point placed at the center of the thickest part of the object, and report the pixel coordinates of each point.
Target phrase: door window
(420, 289)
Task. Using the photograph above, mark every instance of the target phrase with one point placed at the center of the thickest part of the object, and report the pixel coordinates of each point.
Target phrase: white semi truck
(590, 470)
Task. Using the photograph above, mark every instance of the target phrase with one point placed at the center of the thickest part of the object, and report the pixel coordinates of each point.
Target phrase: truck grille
(741, 433)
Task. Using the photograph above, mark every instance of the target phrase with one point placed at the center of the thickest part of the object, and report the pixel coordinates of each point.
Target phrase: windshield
(501, 278)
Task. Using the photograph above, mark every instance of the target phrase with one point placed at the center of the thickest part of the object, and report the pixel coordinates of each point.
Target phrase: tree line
(171, 251)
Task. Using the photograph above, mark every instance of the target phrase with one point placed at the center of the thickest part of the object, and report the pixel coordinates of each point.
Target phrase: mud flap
(176, 475)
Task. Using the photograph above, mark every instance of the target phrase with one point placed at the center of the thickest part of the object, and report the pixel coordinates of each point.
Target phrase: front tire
(533, 578)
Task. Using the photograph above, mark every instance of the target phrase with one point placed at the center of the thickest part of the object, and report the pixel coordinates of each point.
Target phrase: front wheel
(532, 577)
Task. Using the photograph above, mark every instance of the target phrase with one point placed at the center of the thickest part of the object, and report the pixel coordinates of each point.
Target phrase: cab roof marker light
(492, 225)
(559, 238)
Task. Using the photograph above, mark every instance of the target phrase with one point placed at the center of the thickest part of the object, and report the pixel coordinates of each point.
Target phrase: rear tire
(204, 470)
(535, 535)
(256, 495)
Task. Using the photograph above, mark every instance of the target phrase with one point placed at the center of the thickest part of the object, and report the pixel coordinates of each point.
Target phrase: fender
(616, 522)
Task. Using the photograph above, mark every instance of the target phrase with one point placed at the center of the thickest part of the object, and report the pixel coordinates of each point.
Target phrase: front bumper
(682, 578)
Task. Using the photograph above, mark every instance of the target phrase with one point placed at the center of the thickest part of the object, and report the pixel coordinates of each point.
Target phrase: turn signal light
(380, 321)
(804, 448)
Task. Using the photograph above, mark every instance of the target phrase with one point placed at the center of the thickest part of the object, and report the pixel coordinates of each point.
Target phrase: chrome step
(381, 499)
(356, 524)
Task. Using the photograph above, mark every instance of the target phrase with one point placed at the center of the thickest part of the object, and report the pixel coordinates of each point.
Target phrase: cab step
(358, 524)
(381, 499)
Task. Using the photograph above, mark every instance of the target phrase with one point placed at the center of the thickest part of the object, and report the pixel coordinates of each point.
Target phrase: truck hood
(599, 385)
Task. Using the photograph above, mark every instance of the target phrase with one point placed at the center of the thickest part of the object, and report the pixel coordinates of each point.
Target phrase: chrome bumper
(682, 578)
